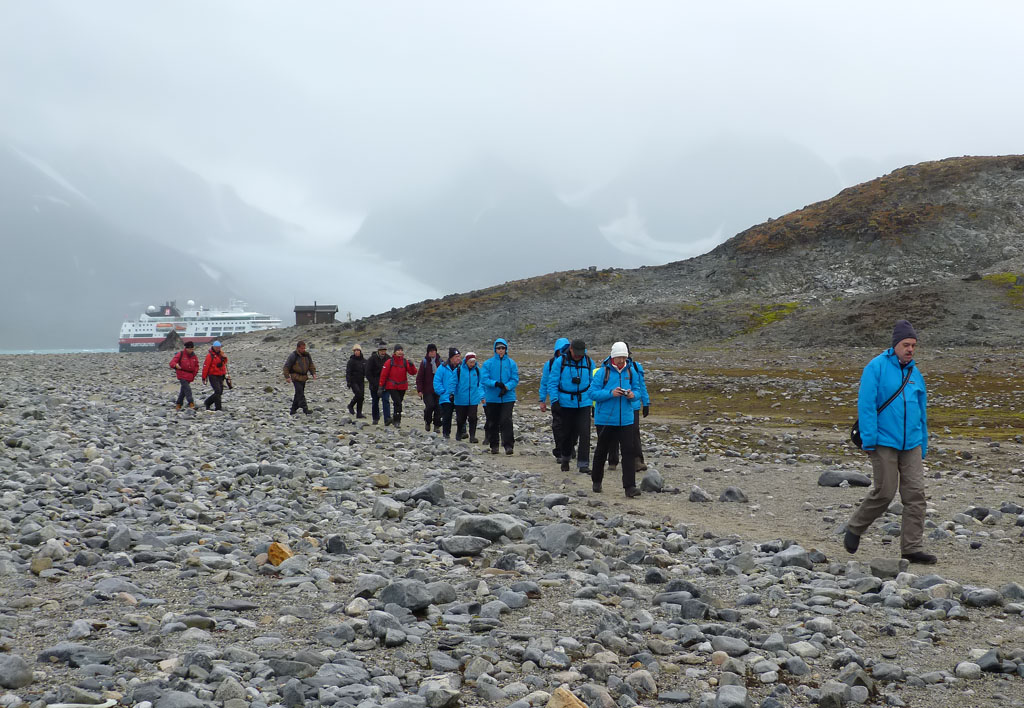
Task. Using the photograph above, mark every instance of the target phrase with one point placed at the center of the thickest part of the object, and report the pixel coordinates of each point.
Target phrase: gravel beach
(155, 557)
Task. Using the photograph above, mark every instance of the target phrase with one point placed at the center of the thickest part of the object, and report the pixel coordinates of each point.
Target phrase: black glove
(647, 411)
(556, 406)
(451, 398)
(503, 387)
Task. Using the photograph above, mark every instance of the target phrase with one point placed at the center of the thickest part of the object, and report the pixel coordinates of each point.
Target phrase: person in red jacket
(394, 380)
(215, 368)
(186, 365)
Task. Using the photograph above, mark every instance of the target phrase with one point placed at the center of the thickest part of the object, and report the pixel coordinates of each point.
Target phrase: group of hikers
(613, 396)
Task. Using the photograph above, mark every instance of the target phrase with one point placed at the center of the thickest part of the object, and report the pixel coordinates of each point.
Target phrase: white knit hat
(619, 349)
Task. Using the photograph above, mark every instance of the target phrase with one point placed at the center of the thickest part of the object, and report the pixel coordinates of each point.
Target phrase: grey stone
(883, 671)
(793, 556)
(15, 672)
(732, 697)
(733, 646)
(179, 699)
(982, 597)
(387, 508)
(699, 495)
(410, 594)
(552, 500)
(968, 670)
(368, 584)
(834, 478)
(112, 586)
(643, 683)
(490, 526)
(463, 545)
(733, 494)
(1012, 591)
(378, 623)
(432, 492)
(74, 655)
(888, 567)
(675, 696)
(558, 539)
(652, 481)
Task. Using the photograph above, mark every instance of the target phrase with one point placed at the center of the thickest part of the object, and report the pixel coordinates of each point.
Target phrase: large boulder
(490, 526)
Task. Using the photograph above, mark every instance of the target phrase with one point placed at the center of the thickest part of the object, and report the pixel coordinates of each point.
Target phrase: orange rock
(563, 698)
(278, 553)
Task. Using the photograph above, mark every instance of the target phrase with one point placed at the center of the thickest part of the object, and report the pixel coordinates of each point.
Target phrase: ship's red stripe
(157, 340)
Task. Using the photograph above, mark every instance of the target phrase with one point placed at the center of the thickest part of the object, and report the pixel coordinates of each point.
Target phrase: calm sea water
(57, 351)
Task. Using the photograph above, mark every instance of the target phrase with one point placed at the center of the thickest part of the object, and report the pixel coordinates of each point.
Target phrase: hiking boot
(596, 486)
(376, 421)
(360, 415)
(851, 542)
(351, 410)
(474, 440)
(565, 465)
(641, 466)
(426, 427)
(508, 451)
(192, 405)
(387, 422)
(921, 557)
(632, 492)
(584, 470)
(177, 406)
(494, 450)
(613, 465)
(437, 429)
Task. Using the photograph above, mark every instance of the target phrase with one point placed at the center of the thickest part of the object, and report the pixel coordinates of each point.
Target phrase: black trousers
(432, 409)
(499, 424)
(299, 399)
(556, 434)
(611, 455)
(185, 392)
(357, 399)
(607, 436)
(463, 414)
(217, 384)
(613, 451)
(575, 435)
(446, 408)
(397, 396)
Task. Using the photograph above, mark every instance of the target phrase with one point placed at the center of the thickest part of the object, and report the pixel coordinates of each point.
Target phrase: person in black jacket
(355, 375)
(374, 365)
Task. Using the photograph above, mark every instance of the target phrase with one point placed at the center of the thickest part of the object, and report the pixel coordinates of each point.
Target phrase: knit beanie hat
(452, 351)
(902, 330)
(398, 348)
(470, 355)
(357, 348)
(619, 349)
(431, 348)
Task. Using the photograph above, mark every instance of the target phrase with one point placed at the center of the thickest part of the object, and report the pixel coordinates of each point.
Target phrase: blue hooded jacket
(560, 385)
(502, 369)
(560, 344)
(442, 381)
(644, 399)
(466, 385)
(903, 424)
(614, 410)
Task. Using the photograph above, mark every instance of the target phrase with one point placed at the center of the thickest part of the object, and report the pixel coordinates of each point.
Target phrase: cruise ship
(196, 324)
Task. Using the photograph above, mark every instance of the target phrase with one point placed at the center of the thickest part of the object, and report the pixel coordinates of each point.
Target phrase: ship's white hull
(201, 326)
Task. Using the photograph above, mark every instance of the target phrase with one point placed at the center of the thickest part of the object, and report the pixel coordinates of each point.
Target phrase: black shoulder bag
(855, 430)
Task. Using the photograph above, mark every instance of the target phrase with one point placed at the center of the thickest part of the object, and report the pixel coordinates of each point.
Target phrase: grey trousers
(895, 469)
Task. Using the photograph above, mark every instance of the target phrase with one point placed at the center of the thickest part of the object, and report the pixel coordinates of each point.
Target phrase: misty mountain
(70, 274)
(489, 224)
(702, 197)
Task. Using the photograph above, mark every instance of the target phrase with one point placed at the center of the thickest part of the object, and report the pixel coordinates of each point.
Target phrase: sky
(320, 111)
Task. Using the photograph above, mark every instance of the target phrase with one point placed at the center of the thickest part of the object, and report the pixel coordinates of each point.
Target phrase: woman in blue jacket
(441, 384)
(613, 390)
(466, 390)
(896, 440)
(500, 377)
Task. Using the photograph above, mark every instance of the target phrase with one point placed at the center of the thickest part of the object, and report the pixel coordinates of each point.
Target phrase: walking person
(561, 344)
(374, 366)
(215, 368)
(468, 391)
(444, 387)
(569, 390)
(613, 389)
(425, 388)
(186, 365)
(394, 379)
(299, 368)
(500, 376)
(355, 377)
(892, 415)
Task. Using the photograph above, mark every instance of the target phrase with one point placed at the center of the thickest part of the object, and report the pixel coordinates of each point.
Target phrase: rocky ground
(168, 558)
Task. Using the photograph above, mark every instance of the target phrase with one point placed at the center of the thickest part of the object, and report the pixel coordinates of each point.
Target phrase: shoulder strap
(898, 391)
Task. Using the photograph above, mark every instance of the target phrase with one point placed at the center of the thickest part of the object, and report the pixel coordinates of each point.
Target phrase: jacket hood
(498, 341)
(560, 344)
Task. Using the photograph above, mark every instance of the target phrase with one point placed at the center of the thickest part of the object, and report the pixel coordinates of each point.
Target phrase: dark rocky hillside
(939, 243)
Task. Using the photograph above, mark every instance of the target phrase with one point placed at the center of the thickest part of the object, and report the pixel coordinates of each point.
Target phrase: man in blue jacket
(500, 377)
(569, 389)
(613, 389)
(896, 440)
(561, 344)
